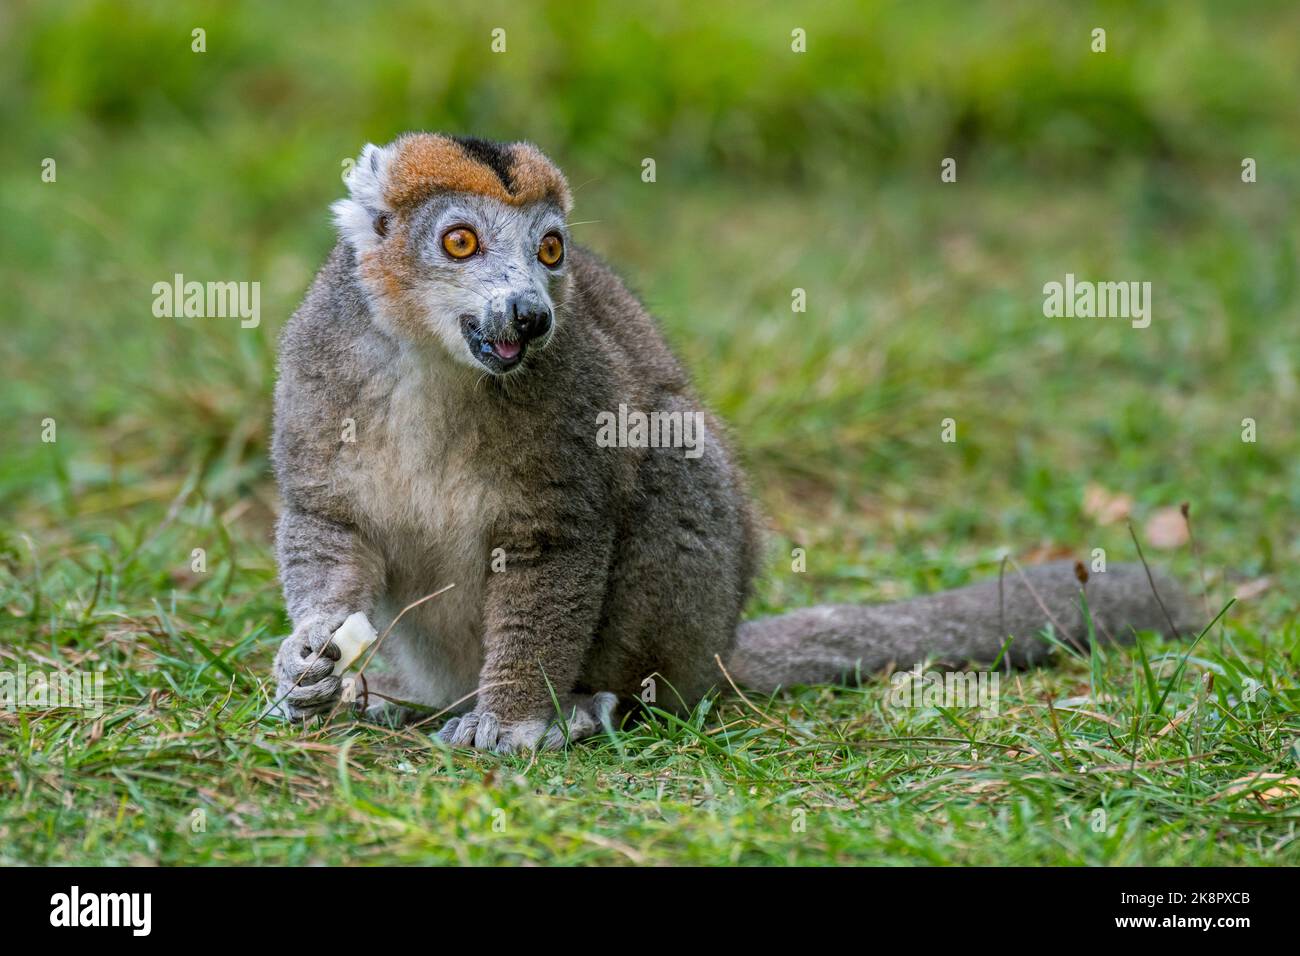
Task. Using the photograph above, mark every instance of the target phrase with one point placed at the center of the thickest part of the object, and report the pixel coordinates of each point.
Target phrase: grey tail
(835, 643)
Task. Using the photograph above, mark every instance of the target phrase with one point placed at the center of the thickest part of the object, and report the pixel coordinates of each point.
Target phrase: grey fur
(622, 564)
(967, 625)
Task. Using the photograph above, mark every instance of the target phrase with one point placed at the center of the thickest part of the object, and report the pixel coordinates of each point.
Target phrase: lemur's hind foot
(583, 715)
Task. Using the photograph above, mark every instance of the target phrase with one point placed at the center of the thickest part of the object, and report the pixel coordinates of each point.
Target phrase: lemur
(435, 423)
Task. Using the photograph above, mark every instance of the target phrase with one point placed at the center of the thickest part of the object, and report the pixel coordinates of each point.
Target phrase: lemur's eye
(551, 249)
(460, 243)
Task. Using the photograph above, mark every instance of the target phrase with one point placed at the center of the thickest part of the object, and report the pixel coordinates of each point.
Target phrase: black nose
(531, 319)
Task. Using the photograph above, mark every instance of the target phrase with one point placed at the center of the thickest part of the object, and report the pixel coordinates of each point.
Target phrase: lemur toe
(604, 703)
(466, 728)
(522, 736)
(489, 729)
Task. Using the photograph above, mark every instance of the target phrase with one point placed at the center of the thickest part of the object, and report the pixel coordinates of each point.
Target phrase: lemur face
(486, 275)
(461, 244)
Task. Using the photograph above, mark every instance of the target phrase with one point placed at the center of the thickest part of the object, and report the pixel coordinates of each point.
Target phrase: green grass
(924, 302)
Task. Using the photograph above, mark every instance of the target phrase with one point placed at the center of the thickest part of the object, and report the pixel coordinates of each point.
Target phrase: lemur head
(460, 243)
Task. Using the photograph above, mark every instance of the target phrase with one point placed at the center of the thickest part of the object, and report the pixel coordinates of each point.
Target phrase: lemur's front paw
(584, 716)
(304, 669)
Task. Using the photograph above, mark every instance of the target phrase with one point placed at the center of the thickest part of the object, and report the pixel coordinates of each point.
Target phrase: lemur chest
(420, 488)
(423, 498)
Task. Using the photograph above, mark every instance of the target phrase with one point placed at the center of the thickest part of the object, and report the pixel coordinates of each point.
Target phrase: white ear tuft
(356, 216)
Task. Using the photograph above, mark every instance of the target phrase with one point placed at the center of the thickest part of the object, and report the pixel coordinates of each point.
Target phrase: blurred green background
(775, 171)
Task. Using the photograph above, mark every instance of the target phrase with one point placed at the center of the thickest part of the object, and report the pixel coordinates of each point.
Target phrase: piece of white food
(352, 639)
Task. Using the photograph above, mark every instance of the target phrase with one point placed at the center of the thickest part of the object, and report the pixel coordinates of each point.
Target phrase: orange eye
(460, 243)
(551, 250)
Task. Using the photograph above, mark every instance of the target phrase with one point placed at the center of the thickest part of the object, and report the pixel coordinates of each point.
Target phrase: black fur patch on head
(494, 156)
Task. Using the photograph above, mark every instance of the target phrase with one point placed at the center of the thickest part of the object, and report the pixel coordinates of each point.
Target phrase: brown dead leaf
(983, 786)
(1094, 715)
(1177, 720)
(1044, 553)
(1283, 787)
(1166, 529)
(1251, 589)
(1105, 507)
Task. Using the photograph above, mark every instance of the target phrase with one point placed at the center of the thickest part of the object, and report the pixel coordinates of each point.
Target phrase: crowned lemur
(440, 395)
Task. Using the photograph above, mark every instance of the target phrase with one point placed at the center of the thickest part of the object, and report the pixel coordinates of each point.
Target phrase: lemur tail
(835, 642)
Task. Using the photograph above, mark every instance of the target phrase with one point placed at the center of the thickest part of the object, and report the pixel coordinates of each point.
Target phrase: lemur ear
(363, 217)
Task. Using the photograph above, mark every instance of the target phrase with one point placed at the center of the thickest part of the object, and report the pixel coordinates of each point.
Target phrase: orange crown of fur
(515, 173)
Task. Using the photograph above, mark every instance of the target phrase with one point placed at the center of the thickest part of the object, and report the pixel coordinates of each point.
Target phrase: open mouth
(500, 355)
